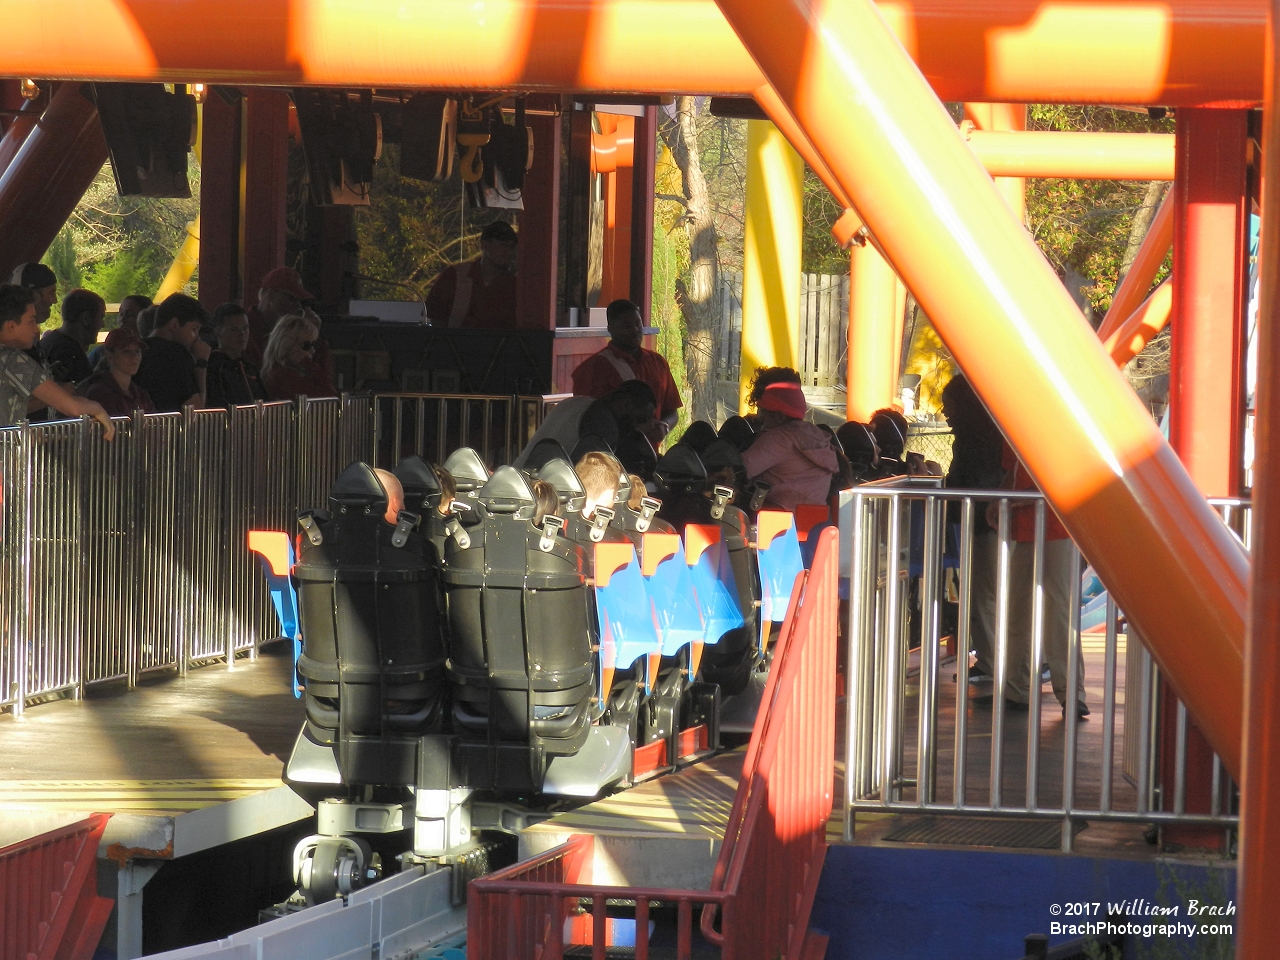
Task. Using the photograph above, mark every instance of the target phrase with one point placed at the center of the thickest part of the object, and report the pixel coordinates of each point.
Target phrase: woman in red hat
(113, 387)
(795, 456)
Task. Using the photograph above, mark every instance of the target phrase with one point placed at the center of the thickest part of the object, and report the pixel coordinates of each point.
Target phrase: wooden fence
(824, 322)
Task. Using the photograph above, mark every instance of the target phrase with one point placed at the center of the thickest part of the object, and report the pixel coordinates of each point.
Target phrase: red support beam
(264, 175)
(1206, 396)
(48, 175)
(539, 252)
(1258, 929)
(642, 173)
(219, 202)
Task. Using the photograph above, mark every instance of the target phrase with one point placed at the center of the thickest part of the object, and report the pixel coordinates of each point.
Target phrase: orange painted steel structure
(48, 175)
(1005, 117)
(1136, 332)
(1206, 376)
(872, 379)
(1175, 53)
(1258, 928)
(1177, 572)
(1085, 156)
(1142, 272)
(1210, 254)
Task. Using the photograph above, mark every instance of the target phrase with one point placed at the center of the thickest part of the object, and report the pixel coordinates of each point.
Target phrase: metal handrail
(898, 534)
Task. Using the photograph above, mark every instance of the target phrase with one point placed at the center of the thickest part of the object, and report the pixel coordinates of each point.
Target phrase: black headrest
(417, 477)
(507, 491)
(738, 432)
(681, 464)
(358, 487)
(698, 435)
(588, 444)
(636, 453)
(720, 454)
(624, 488)
(469, 471)
(546, 449)
(560, 475)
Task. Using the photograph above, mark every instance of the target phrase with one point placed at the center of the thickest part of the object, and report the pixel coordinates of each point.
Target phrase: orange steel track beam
(1038, 366)
(1259, 872)
(1086, 156)
(1142, 272)
(1175, 53)
(1143, 324)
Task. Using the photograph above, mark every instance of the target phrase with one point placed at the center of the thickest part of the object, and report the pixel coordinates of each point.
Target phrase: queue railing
(928, 582)
(125, 557)
(432, 425)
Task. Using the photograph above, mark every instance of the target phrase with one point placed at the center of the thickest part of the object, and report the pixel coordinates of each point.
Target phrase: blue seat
(778, 554)
(627, 630)
(276, 553)
(671, 598)
(711, 575)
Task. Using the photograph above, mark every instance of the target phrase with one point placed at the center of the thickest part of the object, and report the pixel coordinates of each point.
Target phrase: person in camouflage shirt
(21, 377)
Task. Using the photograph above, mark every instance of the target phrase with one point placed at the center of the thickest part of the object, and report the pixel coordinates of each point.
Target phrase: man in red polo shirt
(625, 359)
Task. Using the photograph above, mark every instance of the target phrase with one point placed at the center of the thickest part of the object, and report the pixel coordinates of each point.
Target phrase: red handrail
(49, 903)
(786, 792)
(767, 872)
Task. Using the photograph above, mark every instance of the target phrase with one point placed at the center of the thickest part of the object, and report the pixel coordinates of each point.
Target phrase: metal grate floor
(982, 832)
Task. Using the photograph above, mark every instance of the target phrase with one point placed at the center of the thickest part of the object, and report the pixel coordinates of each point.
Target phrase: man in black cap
(40, 280)
(479, 294)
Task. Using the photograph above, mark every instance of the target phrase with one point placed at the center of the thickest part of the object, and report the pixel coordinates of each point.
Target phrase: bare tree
(699, 298)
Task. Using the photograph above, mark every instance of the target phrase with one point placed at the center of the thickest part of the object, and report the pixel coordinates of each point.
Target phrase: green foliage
(62, 259)
(1084, 224)
(117, 245)
(127, 272)
(821, 211)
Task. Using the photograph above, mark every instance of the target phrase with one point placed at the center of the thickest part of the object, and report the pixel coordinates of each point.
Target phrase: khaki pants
(982, 600)
(1059, 567)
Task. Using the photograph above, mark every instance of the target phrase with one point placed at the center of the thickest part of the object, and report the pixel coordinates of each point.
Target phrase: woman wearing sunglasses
(289, 368)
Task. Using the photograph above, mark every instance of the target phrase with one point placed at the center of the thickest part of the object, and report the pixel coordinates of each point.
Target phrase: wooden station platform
(183, 764)
(667, 832)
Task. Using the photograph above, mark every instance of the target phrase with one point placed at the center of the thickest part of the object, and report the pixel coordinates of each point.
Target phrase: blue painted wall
(904, 903)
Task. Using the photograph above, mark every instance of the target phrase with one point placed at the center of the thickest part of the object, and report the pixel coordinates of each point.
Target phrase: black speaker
(148, 133)
(342, 141)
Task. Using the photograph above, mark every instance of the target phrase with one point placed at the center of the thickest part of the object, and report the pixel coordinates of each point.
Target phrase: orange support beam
(1176, 52)
(1007, 319)
(1143, 324)
(1142, 272)
(1258, 928)
(1004, 117)
(1084, 156)
(871, 380)
(1210, 253)
(1206, 376)
(48, 175)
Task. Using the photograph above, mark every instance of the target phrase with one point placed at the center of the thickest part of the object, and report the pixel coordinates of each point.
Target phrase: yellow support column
(771, 254)
(875, 336)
